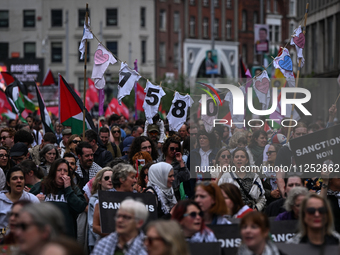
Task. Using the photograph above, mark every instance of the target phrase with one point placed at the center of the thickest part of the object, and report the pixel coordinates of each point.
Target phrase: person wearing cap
(66, 135)
(48, 138)
(126, 144)
(153, 132)
(19, 153)
(104, 136)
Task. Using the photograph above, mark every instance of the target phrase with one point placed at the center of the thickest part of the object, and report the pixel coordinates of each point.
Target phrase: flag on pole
(71, 108)
(140, 96)
(45, 117)
(48, 79)
(115, 107)
(91, 96)
(86, 35)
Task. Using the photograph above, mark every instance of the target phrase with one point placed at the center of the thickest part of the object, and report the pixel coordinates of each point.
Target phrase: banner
(205, 248)
(109, 203)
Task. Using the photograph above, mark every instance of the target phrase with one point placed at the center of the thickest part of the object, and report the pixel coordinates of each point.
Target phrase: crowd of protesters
(50, 185)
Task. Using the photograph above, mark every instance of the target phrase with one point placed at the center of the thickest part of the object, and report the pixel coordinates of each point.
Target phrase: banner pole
(297, 77)
(85, 61)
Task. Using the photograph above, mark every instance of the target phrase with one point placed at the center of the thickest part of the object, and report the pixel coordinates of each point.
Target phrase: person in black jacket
(101, 155)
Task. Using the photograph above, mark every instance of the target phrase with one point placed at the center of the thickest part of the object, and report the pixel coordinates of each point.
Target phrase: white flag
(298, 40)
(127, 79)
(152, 100)
(261, 85)
(86, 35)
(285, 64)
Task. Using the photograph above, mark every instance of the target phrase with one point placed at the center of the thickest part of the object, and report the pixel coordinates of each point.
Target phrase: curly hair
(136, 146)
(234, 138)
(173, 139)
(142, 155)
(141, 177)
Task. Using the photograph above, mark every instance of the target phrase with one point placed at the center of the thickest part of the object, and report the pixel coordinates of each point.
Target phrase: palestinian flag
(13, 98)
(48, 79)
(71, 109)
(45, 117)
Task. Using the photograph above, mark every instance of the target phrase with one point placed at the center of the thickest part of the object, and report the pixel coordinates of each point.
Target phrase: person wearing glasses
(13, 215)
(116, 133)
(48, 155)
(7, 137)
(14, 191)
(128, 237)
(38, 224)
(102, 181)
(5, 163)
(71, 145)
(190, 217)
(48, 138)
(316, 225)
(59, 189)
(165, 237)
(223, 158)
(172, 154)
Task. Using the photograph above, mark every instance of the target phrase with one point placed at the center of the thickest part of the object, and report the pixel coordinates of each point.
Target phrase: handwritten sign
(299, 40)
(100, 58)
(286, 63)
(262, 85)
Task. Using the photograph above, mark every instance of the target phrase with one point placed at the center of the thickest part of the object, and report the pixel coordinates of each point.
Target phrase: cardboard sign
(314, 151)
(109, 203)
(205, 248)
(230, 238)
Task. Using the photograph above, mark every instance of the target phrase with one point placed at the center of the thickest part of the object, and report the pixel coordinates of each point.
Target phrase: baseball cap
(127, 143)
(18, 149)
(279, 138)
(67, 131)
(153, 127)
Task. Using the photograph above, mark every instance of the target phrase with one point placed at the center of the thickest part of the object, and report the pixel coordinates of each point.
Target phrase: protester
(255, 235)
(72, 161)
(58, 128)
(102, 181)
(165, 237)
(48, 138)
(316, 226)
(143, 143)
(257, 144)
(71, 145)
(210, 199)
(248, 182)
(143, 178)
(141, 158)
(19, 152)
(36, 225)
(223, 158)
(47, 156)
(14, 191)
(190, 217)
(59, 189)
(7, 137)
(116, 133)
(13, 215)
(67, 132)
(33, 173)
(62, 246)
(5, 162)
(161, 177)
(23, 136)
(128, 237)
(104, 136)
(233, 199)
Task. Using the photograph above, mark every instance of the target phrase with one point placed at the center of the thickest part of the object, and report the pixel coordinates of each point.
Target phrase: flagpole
(136, 112)
(297, 77)
(85, 61)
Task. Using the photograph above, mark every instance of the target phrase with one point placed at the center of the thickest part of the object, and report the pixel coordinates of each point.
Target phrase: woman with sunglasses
(165, 237)
(71, 145)
(102, 181)
(190, 217)
(48, 155)
(316, 225)
(14, 191)
(116, 133)
(210, 199)
(13, 220)
(58, 188)
(249, 183)
(255, 236)
(5, 162)
(172, 154)
(222, 159)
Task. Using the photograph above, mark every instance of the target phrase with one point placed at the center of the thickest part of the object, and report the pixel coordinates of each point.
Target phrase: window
(192, 2)
(162, 20)
(205, 27)
(4, 19)
(3, 50)
(176, 21)
(143, 51)
(87, 54)
(256, 18)
(162, 56)
(111, 17)
(81, 17)
(142, 17)
(216, 28)
(277, 33)
(228, 25)
(244, 53)
(56, 52)
(175, 55)
(292, 7)
(244, 20)
(56, 18)
(291, 29)
(29, 18)
(229, 4)
(205, 2)
(29, 50)
(192, 26)
(113, 47)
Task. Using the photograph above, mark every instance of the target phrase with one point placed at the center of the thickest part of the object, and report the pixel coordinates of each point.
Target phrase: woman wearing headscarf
(161, 177)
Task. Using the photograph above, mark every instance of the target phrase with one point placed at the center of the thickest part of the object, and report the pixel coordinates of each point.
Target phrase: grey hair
(136, 207)
(47, 214)
(46, 149)
(293, 194)
(121, 171)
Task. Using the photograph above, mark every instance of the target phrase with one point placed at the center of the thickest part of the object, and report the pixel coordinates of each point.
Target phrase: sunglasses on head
(313, 210)
(75, 141)
(270, 152)
(193, 215)
(174, 149)
(106, 178)
(223, 156)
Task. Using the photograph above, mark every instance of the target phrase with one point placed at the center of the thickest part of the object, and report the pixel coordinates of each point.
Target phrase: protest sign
(109, 203)
(205, 248)
(298, 249)
(230, 238)
(313, 151)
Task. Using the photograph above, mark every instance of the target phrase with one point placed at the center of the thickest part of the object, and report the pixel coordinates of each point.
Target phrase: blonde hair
(173, 236)
(96, 185)
(233, 140)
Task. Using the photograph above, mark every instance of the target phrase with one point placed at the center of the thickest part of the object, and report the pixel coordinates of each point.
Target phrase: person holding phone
(172, 154)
